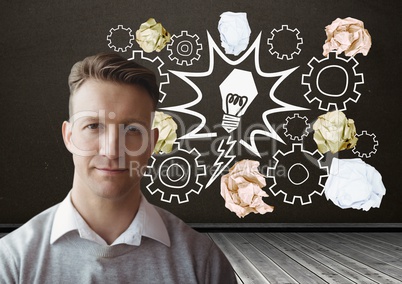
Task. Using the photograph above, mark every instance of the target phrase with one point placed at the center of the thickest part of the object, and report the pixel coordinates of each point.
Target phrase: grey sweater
(26, 256)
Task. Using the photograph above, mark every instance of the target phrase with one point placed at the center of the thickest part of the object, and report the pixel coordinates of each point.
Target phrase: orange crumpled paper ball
(347, 35)
(241, 189)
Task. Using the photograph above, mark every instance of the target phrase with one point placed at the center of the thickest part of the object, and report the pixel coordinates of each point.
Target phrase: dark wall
(41, 41)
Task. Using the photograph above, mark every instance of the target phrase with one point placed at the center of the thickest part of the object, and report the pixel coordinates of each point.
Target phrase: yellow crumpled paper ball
(241, 189)
(347, 35)
(334, 132)
(167, 132)
(152, 36)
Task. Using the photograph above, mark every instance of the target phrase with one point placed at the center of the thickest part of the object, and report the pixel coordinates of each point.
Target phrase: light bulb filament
(235, 104)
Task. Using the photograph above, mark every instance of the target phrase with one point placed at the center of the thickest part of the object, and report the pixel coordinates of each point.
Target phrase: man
(105, 231)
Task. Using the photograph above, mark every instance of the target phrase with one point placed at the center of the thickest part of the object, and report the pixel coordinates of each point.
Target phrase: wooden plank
(238, 280)
(271, 271)
(368, 250)
(392, 238)
(242, 266)
(321, 256)
(292, 267)
(375, 243)
(359, 267)
(371, 247)
(333, 242)
(324, 272)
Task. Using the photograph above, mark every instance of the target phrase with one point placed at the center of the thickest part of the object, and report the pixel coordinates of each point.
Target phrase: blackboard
(41, 40)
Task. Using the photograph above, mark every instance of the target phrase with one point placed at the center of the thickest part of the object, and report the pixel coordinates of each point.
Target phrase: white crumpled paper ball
(234, 31)
(354, 184)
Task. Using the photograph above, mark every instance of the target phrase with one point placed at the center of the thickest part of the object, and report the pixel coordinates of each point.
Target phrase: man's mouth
(111, 171)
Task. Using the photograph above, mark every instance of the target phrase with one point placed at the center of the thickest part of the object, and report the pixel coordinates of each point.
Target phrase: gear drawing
(339, 101)
(296, 119)
(281, 55)
(175, 175)
(289, 177)
(184, 48)
(129, 35)
(374, 148)
(158, 63)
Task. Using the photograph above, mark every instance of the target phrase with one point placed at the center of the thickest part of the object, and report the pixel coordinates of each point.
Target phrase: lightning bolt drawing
(200, 131)
(224, 155)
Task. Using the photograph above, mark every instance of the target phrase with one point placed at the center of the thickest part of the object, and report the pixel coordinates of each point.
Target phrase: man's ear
(66, 132)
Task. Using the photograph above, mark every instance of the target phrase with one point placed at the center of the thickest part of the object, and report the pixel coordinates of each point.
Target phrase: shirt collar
(147, 223)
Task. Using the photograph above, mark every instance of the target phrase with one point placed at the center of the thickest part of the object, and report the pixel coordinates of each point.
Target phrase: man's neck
(108, 218)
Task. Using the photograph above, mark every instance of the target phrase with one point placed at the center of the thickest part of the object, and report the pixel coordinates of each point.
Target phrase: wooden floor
(313, 257)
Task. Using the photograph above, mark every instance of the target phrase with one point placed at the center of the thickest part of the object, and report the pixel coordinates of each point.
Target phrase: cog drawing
(163, 78)
(175, 175)
(325, 99)
(296, 121)
(366, 136)
(279, 54)
(184, 48)
(290, 177)
(125, 35)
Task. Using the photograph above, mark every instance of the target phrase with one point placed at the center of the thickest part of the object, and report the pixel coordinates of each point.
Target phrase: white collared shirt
(147, 223)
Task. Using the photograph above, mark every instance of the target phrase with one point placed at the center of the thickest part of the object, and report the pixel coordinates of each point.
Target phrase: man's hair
(113, 68)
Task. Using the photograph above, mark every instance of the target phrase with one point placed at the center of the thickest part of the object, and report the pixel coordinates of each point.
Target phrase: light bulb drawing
(238, 91)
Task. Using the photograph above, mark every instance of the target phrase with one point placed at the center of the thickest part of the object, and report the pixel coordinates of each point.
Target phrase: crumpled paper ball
(334, 132)
(347, 35)
(234, 32)
(167, 132)
(354, 184)
(152, 36)
(241, 189)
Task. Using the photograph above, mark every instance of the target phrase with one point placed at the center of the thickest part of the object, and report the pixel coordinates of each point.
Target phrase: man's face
(110, 137)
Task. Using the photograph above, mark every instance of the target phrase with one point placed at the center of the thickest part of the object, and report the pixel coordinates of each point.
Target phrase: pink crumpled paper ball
(241, 189)
(347, 35)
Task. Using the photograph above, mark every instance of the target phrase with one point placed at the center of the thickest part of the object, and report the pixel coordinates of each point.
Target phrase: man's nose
(111, 144)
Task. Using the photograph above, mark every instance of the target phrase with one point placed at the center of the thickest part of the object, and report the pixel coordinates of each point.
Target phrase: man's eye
(93, 126)
(132, 128)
